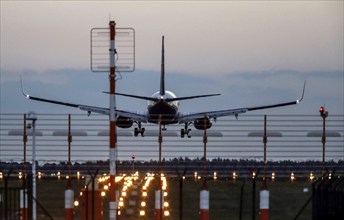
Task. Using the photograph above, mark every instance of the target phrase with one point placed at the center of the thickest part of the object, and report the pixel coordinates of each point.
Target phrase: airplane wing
(188, 117)
(135, 116)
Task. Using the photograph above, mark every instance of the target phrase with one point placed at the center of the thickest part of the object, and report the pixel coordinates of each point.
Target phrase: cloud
(244, 89)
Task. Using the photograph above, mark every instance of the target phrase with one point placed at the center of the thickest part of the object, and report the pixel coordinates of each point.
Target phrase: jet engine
(124, 122)
(201, 123)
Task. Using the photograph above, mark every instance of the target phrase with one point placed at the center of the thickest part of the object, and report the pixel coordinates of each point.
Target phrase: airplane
(163, 109)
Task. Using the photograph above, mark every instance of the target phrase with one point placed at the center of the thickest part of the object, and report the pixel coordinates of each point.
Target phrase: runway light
(76, 203)
(121, 204)
(292, 177)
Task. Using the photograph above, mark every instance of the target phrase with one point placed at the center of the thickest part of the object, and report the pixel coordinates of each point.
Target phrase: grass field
(286, 199)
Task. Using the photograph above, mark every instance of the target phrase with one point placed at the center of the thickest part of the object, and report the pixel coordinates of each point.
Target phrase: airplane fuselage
(167, 110)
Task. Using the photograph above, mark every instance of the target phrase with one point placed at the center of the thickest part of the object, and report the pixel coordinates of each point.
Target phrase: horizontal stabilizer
(190, 97)
(137, 96)
(167, 99)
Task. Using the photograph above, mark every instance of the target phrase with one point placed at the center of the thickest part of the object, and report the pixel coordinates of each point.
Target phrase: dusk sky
(253, 53)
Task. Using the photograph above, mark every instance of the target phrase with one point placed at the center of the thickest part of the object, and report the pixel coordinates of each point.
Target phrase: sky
(252, 52)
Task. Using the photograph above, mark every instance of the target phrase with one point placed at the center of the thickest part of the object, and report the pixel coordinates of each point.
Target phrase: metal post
(324, 115)
(323, 140)
(204, 194)
(265, 140)
(24, 210)
(160, 171)
(205, 140)
(69, 193)
(264, 193)
(32, 116)
(113, 136)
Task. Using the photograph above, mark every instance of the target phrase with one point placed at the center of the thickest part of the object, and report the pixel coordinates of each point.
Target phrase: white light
(76, 203)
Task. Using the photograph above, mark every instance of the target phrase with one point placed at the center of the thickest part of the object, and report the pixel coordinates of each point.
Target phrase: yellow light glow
(166, 213)
(103, 194)
(292, 177)
(142, 213)
(144, 194)
(143, 204)
(76, 203)
(121, 204)
(166, 204)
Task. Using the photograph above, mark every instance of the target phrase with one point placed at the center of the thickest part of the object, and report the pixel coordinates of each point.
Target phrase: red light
(322, 109)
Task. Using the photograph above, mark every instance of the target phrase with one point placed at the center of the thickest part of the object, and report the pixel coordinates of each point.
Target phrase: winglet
(303, 93)
(22, 88)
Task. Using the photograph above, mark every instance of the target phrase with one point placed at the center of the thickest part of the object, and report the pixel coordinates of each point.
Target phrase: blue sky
(253, 53)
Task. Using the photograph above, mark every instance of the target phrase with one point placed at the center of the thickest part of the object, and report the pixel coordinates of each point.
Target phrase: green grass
(286, 199)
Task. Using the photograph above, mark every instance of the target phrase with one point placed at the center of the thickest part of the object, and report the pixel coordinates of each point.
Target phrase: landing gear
(139, 130)
(185, 131)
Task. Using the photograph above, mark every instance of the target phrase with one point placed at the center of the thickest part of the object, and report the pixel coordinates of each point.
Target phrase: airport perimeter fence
(233, 145)
(234, 163)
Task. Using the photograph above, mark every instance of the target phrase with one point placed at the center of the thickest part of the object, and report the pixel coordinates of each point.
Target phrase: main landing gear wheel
(139, 130)
(185, 131)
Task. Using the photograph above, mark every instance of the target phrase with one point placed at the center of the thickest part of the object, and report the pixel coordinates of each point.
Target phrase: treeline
(223, 167)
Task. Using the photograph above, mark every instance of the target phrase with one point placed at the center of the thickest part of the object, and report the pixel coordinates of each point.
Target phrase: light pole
(33, 117)
(133, 168)
(324, 115)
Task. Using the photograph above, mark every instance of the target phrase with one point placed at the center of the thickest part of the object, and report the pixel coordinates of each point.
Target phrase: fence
(234, 156)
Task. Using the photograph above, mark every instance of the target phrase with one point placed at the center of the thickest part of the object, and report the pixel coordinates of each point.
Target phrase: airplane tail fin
(162, 76)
